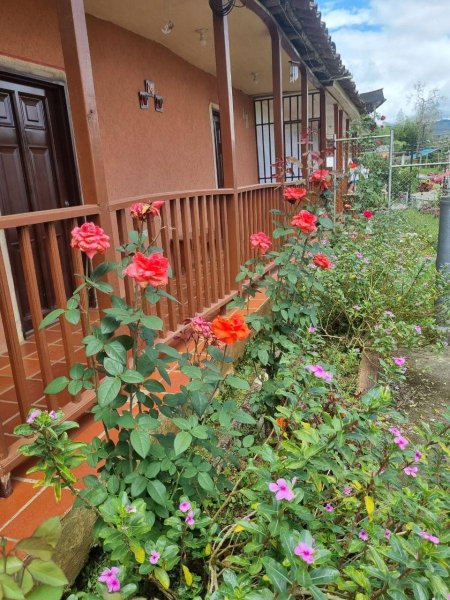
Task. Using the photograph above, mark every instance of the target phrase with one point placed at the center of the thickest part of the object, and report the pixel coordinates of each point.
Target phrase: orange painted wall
(144, 151)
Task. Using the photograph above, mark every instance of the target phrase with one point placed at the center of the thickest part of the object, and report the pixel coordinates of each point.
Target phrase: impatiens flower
(260, 241)
(230, 329)
(129, 508)
(201, 326)
(395, 431)
(90, 238)
(184, 506)
(312, 329)
(190, 518)
(110, 577)
(53, 415)
(281, 490)
(411, 471)
(348, 490)
(417, 455)
(322, 261)
(148, 270)
(418, 328)
(363, 535)
(34, 414)
(293, 194)
(358, 255)
(305, 221)
(399, 360)
(387, 534)
(429, 537)
(145, 210)
(305, 552)
(401, 442)
(329, 507)
(367, 214)
(319, 372)
(154, 557)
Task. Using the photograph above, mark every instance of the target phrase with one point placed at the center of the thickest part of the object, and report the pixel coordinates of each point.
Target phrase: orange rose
(148, 270)
(230, 330)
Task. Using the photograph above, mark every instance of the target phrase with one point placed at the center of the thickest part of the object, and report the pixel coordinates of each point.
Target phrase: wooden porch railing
(196, 236)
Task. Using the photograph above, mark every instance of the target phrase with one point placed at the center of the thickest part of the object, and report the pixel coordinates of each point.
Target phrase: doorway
(215, 115)
(37, 172)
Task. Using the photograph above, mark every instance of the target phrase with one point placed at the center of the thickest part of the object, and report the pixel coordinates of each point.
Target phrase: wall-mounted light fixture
(202, 36)
(255, 78)
(168, 27)
(294, 71)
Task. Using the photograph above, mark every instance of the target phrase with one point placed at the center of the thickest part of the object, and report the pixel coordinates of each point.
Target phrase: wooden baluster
(225, 202)
(204, 248)
(246, 226)
(60, 292)
(241, 224)
(219, 247)
(212, 226)
(78, 266)
(187, 251)
(176, 266)
(122, 227)
(153, 228)
(199, 267)
(34, 302)
(166, 234)
(12, 342)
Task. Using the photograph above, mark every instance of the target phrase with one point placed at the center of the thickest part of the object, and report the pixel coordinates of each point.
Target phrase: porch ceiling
(250, 44)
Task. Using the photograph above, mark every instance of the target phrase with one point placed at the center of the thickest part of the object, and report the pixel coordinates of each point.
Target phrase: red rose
(322, 261)
(90, 238)
(260, 240)
(383, 118)
(305, 221)
(323, 177)
(230, 330)
(368, 214)
(148, 270)
(292, 194)
(144, 210)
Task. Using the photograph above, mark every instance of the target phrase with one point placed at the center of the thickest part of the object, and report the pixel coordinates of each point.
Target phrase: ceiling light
(167, 27)
(202, 33)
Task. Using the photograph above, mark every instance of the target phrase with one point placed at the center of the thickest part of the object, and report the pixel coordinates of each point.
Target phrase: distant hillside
(442, 126)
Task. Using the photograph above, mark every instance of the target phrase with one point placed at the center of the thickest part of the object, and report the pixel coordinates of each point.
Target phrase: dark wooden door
(218, 147)
(37, 172)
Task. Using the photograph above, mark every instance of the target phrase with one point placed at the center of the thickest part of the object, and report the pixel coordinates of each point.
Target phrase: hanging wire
(223, 8)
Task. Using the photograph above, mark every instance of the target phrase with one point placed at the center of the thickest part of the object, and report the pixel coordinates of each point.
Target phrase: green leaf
(102, 269)
(46, 592)
(324, 575)
(237, 383)
(140, 440)
(130, 376)
(47, 572)
(51, 318)
(10, 588)
(73, 316)
(152, 322)
(317, 594)
(116, 351)
(77, 371)
(182, 442)
(108, 390)
(205, 481)
(420, 593)
(157, 492)
(277, 574)
(57, 385)
(113, 367)
(75, 387)
(13, 564)
(162, 577)
(36, 547)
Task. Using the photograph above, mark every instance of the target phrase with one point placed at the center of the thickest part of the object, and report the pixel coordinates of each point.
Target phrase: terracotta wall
(144, 151)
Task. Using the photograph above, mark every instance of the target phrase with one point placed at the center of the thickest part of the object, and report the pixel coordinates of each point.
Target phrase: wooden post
(277, 86)
(225, 93)
(340, 136)
(83, 107)
(323, 120)
(305, 121)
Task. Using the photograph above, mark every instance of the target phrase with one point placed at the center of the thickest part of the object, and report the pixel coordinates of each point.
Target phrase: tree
(427, 112)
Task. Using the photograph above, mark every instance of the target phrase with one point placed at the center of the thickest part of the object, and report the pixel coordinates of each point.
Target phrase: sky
(393, 45)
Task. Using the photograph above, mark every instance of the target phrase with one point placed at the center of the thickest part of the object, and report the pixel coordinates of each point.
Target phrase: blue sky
(393, 45)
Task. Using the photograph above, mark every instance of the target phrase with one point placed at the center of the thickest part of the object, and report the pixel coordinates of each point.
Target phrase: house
(105, 103)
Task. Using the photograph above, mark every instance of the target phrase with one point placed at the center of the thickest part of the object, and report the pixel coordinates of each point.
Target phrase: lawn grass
(425, 225)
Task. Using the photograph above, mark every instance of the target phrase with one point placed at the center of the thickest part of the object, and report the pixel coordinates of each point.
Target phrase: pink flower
(389, 313)
(154, 557)
(401, 442)
(145, 210)
(358, 255)
(305, 552)
(417, 455)
(190, 518)
(109, 576)
(34, 414)
(387, 534)
(429, 537)
(363, 535)
(411, 471)
(329, 507)
(90, 238)
(260, 241)
(395, 431)
(418, 328)
(129, 508)
(185, 506)
(305, 221)
(53, 415)
(367, 214)
(281, 490)
(148, 270)
(399, 360)
(348, 490)
(322, 261)
(312, 329)
(320, 372)
(201, 326)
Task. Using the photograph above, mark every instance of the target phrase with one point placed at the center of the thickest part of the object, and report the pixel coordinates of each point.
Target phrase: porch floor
(28, 506)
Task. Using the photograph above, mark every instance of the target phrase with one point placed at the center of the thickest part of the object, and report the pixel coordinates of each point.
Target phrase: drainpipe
(443, 257)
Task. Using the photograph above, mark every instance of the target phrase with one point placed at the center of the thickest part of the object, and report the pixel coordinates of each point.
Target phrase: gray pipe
(443, 260)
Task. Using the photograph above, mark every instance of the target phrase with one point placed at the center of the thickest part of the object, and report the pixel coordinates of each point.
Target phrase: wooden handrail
(47, 216)
(257, 186)
(120, 203)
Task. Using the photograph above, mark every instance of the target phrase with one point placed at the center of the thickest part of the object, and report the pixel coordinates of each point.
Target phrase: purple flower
(399, 360)
(109, 576)
(190, 518)
(34, 414)
(281, 490)
(394, 431)
(312, 329)
(329, 507)
(185, 506)
(367, 260)
(129, 508)
(411, 471)
(53, 415)
(363, 535)
(389, 313)
(429, 537)
(358, 255)
(417, 455)
(356, 307)
(320, 372)
(401, 442)
(154, 557)
(305, 552)
(418, 328)
(348, 490)
(387, 534)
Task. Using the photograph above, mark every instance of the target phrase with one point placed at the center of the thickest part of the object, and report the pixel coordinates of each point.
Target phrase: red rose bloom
(368, 214)
(148, 270)
(382, 117)
(144, 210)
(323, 177)
(260, 240)
(292, 194)
(322, 261)
(90, 238)
(230, 330)
(305, 221)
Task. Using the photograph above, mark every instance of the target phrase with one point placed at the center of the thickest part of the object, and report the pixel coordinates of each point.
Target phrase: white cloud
(408, 41)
